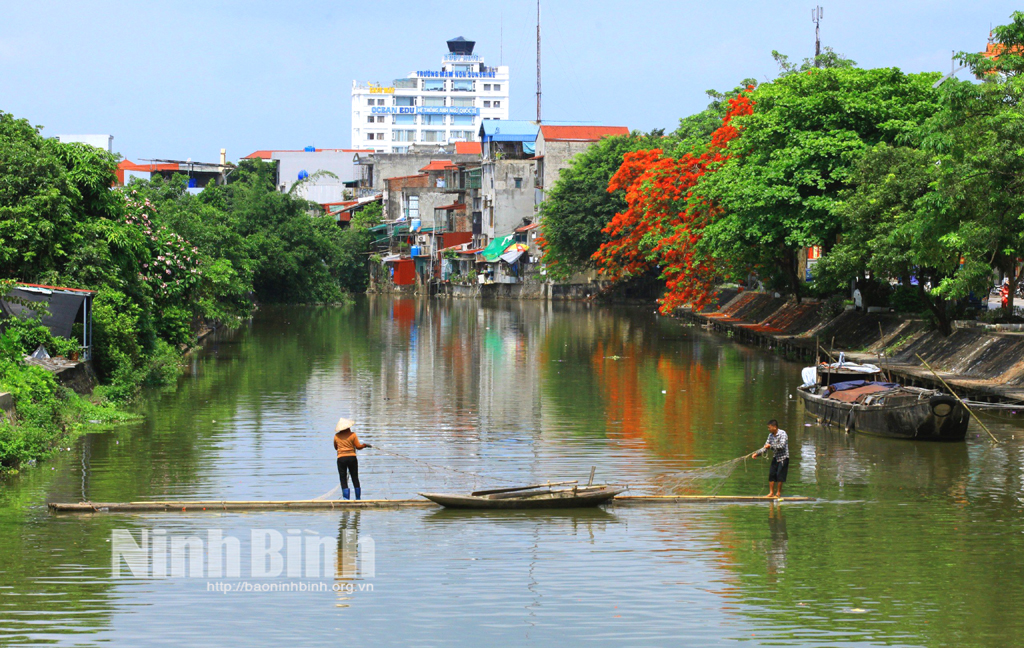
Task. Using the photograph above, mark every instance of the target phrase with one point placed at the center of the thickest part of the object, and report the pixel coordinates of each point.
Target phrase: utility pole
(816, 15)
(538, 61)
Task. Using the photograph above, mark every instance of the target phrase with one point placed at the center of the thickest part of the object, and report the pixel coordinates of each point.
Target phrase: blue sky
(183, 79)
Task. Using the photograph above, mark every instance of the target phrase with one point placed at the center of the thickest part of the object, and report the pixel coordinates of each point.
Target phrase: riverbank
(980, 363)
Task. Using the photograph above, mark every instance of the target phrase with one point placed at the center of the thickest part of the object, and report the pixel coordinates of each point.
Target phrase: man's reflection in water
(778, 540)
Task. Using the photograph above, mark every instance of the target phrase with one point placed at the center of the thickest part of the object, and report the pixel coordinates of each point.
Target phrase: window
(462, 135)
(400, 149)
(380, 119)
(369, 119)
(519, 183)
(433, 85)
(487, 104)
(369, 136)
(497, 87)
(405, 101)
(380, 102)
(463, 120)
(497, 104)
(433, 136)
(432, 120)
(407, 120)
(464, 85)
(403, 135)
(371, 102)
(487, 87)
(463, 102)
(433, 101)
(413, 208)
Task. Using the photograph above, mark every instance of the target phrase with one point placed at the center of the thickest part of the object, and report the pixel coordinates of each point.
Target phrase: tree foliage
(579, 205)
(665, 216)
(778, 191)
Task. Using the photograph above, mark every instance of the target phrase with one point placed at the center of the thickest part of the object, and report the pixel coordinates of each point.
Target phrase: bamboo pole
(969, 410)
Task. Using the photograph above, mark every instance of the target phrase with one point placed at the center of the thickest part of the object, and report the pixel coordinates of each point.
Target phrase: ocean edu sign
(424, 110)
(443, 74)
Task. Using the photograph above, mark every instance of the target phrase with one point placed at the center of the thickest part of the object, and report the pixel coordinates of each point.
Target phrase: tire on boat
(942, 405)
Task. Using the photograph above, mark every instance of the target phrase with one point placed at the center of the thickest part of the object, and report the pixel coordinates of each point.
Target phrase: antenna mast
(816, 16)
(538, 61)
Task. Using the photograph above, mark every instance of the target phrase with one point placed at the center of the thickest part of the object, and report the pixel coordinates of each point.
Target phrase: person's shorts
(778, 470)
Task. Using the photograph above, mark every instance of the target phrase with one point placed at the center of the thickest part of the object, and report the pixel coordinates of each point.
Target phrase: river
(907, 545)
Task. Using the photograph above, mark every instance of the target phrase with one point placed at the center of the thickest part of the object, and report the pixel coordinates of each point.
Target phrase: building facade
(430, 107)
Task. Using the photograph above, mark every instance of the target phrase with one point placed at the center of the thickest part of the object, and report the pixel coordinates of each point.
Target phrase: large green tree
(796, 154)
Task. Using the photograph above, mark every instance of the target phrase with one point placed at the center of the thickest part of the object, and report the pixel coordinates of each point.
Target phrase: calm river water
(908, 544)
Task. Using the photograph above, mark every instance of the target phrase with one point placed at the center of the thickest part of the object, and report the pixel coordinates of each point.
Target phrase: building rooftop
(581, 133)
(508, 130)
(468, 148)
(267, 154)
(438, 165)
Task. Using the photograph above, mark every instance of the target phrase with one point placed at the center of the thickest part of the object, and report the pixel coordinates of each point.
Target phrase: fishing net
(696, 480)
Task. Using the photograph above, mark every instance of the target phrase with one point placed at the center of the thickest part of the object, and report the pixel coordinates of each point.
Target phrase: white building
(430, 107)
(105, 142)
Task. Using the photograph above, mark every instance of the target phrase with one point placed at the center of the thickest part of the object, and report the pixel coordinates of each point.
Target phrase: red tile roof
(581, 133)
(438, 165)
(468, 148)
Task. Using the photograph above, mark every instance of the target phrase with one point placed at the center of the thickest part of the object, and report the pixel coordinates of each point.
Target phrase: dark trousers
(351, 465)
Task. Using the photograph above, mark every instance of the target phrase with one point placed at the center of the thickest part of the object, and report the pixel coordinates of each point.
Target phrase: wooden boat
(887, 410)
(539, 496)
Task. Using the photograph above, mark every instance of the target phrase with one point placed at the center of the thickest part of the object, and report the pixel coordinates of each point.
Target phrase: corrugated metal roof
(507, 130)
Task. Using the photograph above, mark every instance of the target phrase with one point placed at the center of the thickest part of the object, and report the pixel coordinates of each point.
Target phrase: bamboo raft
(211, 506)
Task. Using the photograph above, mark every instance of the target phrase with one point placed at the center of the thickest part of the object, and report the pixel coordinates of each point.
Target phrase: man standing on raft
(778, 441)
(346, 443)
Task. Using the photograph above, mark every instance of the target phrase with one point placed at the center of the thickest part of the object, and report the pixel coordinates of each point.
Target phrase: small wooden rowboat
(540, 496)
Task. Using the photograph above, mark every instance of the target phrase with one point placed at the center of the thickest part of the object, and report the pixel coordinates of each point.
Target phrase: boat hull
(559, 500)
(913, 420)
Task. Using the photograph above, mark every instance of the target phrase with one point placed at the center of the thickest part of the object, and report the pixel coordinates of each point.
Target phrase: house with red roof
(557, 145)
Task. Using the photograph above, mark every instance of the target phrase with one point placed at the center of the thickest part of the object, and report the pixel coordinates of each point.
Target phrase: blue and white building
(430, 107)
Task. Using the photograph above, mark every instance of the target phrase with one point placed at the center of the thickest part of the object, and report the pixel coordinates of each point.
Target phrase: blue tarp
(855, 384)
(507, 130)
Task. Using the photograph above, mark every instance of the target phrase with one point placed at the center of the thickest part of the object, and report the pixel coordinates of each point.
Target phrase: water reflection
(927, 539)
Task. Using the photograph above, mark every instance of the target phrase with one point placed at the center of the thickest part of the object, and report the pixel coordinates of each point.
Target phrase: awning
(452, 206)
(527, 228)
(391, 258)
(497, 247)
(512, 257)
(63, 305)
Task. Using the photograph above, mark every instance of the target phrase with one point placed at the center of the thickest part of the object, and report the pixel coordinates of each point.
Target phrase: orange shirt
(346, 443)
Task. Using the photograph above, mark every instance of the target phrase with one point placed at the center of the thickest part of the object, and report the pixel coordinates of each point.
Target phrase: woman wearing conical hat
(346, 443)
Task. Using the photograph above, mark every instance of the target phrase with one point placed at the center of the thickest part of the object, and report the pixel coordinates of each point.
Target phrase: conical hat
(343, 424)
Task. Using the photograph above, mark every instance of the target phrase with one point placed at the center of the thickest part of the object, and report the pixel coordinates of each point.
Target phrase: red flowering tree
(665, 216)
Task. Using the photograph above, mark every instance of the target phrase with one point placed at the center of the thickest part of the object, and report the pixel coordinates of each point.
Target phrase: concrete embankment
(980, 363)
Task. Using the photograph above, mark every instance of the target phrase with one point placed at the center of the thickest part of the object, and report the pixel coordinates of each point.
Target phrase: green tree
(796, 154)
